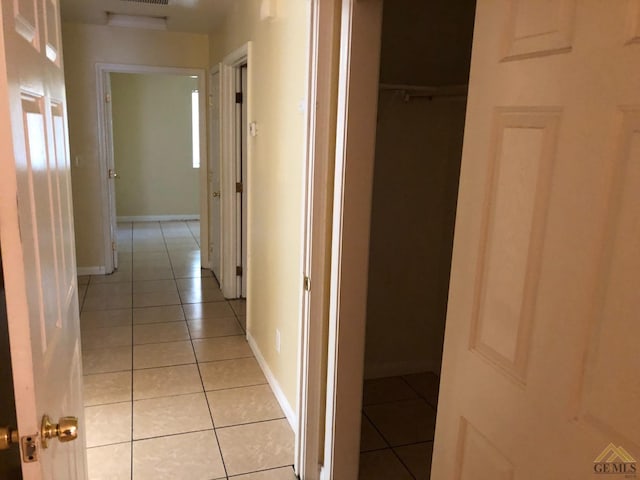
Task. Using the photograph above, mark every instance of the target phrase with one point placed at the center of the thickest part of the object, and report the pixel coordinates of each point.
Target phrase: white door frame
(106, 160)
(320, 131)
(228, 178)
(360, 38)
(348, 203)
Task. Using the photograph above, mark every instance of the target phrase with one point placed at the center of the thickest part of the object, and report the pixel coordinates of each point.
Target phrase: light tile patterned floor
(171, 387)
(398, 423)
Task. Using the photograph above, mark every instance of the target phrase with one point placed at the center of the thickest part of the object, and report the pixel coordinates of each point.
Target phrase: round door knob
(8, 436)
(215, 194)
(65, 430)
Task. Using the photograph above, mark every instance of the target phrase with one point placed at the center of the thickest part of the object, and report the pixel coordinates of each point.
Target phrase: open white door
(540, 377)
(244, 204)
(215, 235)
(37, 239)
(111, 247)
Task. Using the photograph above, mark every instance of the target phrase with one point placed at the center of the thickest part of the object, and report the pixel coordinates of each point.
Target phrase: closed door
(540, 372)
(37, 240)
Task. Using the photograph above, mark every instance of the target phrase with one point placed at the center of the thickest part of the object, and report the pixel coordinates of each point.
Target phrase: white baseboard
(82, 271)
(393, 369)
(292, 418)
(158, 218)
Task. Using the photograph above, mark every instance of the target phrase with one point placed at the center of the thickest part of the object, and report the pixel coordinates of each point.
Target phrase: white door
(215, 235)
(112, 176)
(37, 237)
(541, 371)
(241, 206)
(244, 207)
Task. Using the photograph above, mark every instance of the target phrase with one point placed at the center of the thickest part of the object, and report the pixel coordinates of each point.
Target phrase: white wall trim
(105, 144)
(82, 271)
(275, 386)
(316, 249)
(158, 218)
(228, 204)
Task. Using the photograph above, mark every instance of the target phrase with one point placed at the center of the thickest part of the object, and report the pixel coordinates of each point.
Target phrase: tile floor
(171, 387)
(398, 423)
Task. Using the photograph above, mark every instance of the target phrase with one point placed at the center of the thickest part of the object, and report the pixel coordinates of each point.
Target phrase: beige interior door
(37, 238)
(541, 365)
(111, 263)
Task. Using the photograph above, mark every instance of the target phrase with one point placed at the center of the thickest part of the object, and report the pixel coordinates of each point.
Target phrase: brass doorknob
(65, 430)
(8, 437)
(215, 194)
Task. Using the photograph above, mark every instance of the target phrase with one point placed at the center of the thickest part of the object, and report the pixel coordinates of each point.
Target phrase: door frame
(229, 68)
(337, 426)
(319, 160)
(106, 159)
(360, 40)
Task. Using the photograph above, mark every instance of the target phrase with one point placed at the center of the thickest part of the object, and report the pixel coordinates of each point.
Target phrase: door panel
(215, 235)
(540, 366)
(36, 235)
(112, 255)
(244, 204)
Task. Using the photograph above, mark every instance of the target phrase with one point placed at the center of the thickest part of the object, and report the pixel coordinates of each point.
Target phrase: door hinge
(239, 97)
(307, 284)
(239, 271)
(113, 246)
(211, 100)
(239, 187)
(107, 98)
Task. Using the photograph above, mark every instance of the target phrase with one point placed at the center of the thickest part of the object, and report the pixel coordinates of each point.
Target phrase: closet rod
(410, 91)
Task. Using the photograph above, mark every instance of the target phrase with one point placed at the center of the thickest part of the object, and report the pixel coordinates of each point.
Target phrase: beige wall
(152, 145)
(277, 86)
(418, 150)
(84, 46)
(426, 42)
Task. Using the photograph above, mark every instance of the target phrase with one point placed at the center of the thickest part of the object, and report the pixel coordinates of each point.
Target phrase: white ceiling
(198, 16)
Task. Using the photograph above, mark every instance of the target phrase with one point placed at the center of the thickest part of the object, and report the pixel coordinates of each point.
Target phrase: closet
(425, 60)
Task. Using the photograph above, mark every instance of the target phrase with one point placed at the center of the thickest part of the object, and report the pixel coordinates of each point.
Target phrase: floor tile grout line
(435, 407)
(155, 437)
(393, 447)
(402, 445)
(213, 425)
(388, 443)
(260, 471)
(268, 420)
(132, 361)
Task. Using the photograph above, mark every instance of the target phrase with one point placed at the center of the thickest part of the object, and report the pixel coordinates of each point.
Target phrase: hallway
(171, 387)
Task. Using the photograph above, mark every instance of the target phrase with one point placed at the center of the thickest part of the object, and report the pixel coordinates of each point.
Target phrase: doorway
(130, 142)
(420, 127)
(234, 163)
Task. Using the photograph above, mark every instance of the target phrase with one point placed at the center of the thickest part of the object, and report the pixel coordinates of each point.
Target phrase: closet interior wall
(418, 151)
